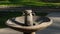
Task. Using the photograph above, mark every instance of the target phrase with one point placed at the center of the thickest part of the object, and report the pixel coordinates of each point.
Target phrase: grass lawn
(4, 16)
(29, 3)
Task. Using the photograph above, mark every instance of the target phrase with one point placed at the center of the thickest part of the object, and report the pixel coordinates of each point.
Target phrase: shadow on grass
(4, 16)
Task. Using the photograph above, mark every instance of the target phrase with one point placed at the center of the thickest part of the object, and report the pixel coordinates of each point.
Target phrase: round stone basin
(17, 23)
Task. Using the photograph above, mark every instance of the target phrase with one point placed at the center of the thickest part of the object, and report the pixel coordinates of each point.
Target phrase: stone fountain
(28, 23)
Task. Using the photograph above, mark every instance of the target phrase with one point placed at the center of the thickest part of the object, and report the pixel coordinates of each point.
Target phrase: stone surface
(56, 18)
(9, 31)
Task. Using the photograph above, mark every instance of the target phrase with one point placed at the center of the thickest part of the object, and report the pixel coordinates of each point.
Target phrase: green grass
(29, 3)
(4, 16)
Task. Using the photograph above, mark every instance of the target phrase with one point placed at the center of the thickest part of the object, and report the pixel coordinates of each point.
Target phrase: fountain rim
(40, 26)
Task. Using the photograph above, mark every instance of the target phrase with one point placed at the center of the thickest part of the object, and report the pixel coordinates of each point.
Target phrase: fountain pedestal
(24, 24)
(29, 33)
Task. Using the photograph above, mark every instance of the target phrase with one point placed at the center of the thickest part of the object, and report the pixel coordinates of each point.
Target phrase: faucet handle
(33, 14)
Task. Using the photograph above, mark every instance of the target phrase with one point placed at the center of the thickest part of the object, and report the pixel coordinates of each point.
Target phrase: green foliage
(21, 1)
(3, 0)
(14, 1)
(33, 2)
(4, 16)
(53, 1)
(29, 3)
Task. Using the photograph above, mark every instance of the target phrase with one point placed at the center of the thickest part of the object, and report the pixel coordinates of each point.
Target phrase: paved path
(53, 29)
(9, 31)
